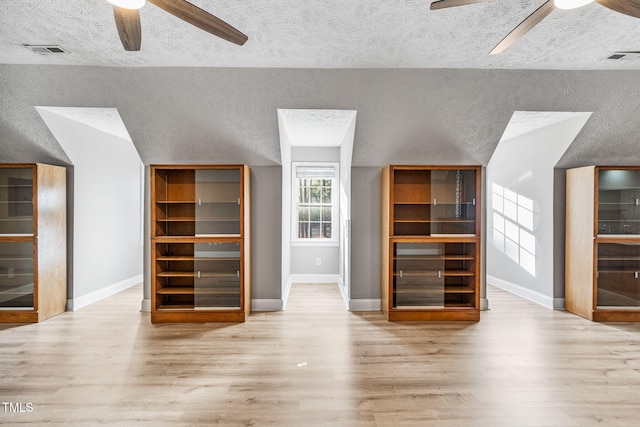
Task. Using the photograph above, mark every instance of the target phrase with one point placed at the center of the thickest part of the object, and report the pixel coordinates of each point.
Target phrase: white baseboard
(85, 300)
(528, 294)
(266, 305)
(364, 305)
(145, 305)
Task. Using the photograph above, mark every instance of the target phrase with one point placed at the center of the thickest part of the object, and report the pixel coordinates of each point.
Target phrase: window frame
(315, 241)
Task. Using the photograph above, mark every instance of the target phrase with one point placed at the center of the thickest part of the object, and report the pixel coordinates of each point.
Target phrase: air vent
(631, 55)
(45, 49)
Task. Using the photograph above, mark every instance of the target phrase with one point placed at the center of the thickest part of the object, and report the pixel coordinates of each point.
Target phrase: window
(315, 211)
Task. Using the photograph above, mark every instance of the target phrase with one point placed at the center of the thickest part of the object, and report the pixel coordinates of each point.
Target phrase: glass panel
(618, 202)
(217, 202)
(316, 194)
(453, 209)
(303, 214)
(303, 230)
(315, 230)
(314, 208)
(315, 213)
(326, 230)
(16, 201)
(326, 213)
(618, 275)
(418, 275)
(16, 275)
(217, 275)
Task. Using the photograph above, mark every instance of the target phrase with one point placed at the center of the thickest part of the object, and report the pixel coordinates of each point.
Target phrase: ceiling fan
(129, 29)
(628, 7)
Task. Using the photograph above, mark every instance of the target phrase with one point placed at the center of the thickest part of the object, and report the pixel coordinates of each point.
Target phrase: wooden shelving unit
(602, 269)
(33, 236)
(200, 243)
(431, 242)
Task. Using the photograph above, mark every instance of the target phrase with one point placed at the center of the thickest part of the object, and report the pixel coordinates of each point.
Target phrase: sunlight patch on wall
(513, 227)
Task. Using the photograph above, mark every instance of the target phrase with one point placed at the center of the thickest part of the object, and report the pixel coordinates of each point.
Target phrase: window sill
(315, 242)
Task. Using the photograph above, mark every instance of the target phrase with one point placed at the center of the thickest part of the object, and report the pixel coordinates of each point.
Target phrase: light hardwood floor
(317, 364)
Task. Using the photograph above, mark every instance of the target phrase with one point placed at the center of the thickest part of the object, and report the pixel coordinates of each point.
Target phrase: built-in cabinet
(602, 269)
(431, 242)
(33, 250)
(200, 243)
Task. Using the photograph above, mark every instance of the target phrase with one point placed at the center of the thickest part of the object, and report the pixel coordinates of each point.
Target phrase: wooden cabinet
(33, 236)
(200, 243)
(602, 269)
(431, 242)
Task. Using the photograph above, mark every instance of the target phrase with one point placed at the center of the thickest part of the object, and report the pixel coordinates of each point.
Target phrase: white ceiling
(324, 34)
(316, 128)
(106, 120)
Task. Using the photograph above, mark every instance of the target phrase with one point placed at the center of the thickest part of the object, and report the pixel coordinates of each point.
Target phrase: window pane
(326, 230)
(315, 230)
(303, 214)
(315, 195)
(314, 213)
(314, 207)
(326, 195)
(326, 213)
(304, 195)
(303, 230)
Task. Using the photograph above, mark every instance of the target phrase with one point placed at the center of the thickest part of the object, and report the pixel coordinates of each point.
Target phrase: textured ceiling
(324, 34)
(104, 119)
(316, 128)
(422, 82)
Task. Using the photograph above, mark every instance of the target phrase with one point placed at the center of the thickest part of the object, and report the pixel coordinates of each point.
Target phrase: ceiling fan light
(571, 4)
(128, 4)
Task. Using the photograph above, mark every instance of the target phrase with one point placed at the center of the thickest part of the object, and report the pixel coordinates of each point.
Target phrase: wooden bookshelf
(200, 243)
(602, 272)
(33, 236)
(431, 246)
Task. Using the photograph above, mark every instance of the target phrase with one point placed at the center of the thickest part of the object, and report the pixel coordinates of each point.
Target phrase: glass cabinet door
(16, 275)
(217, 202)
(618, 281)
(16, 201)
(618, 201)
(418, 275)
(217, 275)
(453, 201)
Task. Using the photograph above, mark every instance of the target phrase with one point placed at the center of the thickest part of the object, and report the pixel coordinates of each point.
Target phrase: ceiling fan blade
(443, 4)
(522, 28)
(129, 30)
(201, 19)
(628, 7)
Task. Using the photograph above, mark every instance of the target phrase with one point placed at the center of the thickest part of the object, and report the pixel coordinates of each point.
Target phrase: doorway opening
(316, 148)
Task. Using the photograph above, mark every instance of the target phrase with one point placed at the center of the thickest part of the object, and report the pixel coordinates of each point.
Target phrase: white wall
(106, 206)
(521, 249)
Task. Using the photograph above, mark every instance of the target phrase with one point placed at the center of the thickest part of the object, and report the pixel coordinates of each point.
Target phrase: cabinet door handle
(198, 274)
(474, 202)
(238, 274)
(435, 202)
(439, 274)
(199, 201)
(636, 274)
(400, 273)
(637, 202)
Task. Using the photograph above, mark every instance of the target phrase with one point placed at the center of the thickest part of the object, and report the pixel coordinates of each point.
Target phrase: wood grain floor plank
(317, 364)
